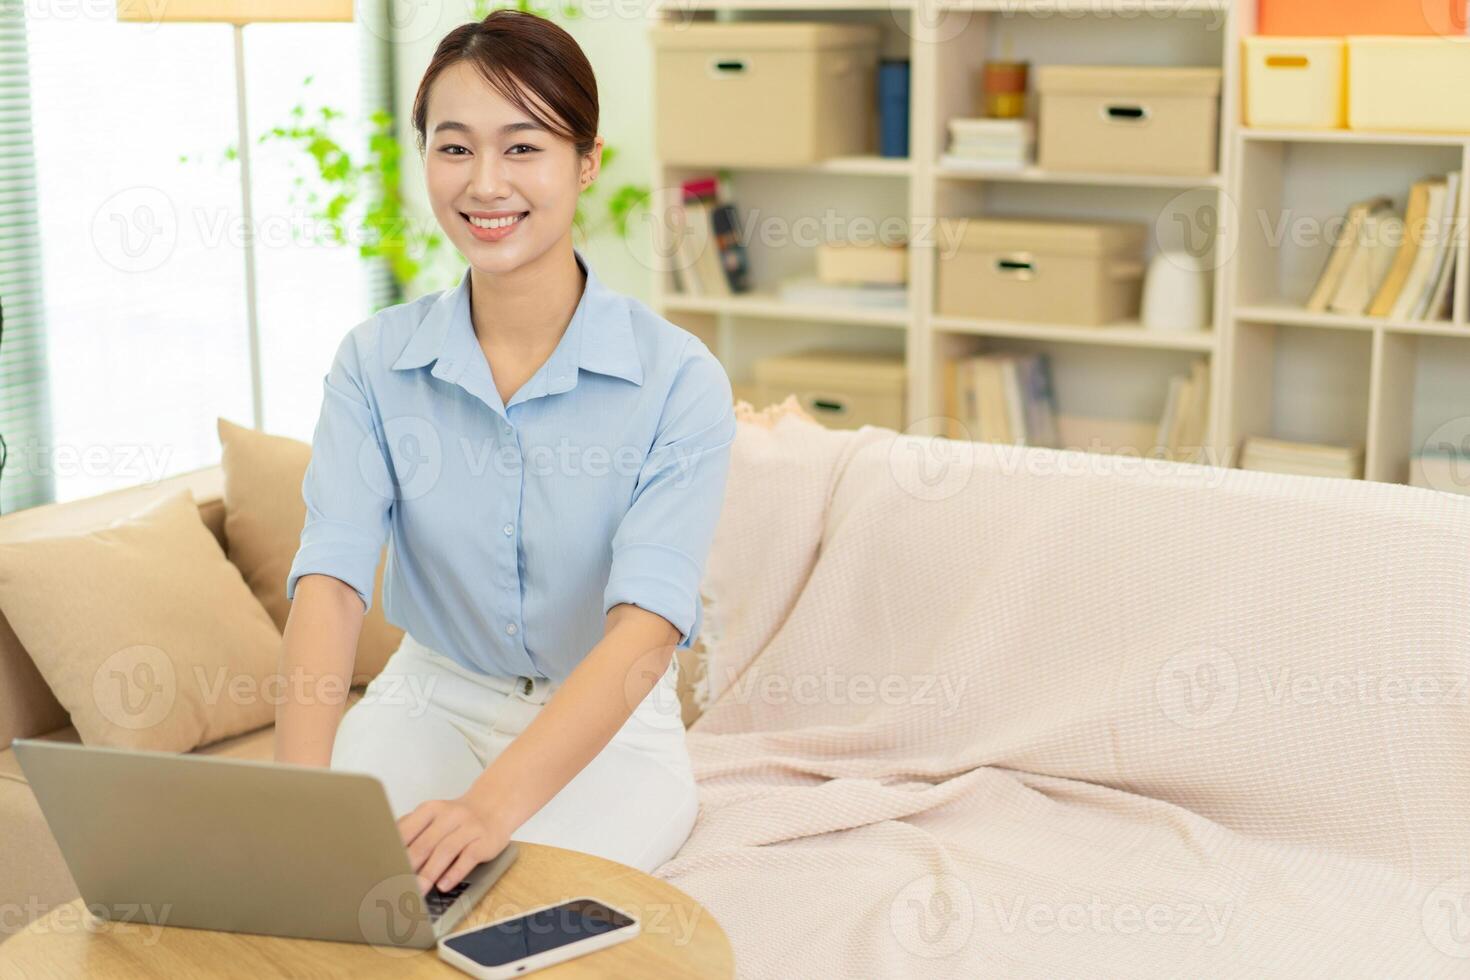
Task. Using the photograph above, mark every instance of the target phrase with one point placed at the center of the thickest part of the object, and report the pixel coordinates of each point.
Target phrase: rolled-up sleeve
(345, 487)
(663, 541)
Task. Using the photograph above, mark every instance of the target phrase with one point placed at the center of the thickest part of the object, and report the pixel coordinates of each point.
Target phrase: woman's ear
(592, 163)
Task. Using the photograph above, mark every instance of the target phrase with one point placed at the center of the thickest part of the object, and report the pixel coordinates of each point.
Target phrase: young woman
(548, 458)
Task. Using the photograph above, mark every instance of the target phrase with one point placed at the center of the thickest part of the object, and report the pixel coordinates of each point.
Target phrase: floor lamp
(239, 13)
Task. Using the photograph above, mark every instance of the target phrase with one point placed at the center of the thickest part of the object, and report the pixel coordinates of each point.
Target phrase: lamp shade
(232, 11)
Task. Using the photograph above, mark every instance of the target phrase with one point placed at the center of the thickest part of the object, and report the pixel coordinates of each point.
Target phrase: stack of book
(990, 144)
(1181, 432)
(709, 256)
(1005, 398)
(1301, 458)
(1398, 268)
(812, 291)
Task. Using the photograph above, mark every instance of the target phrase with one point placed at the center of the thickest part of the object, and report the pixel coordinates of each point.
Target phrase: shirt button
(508, 528)
(510, 628)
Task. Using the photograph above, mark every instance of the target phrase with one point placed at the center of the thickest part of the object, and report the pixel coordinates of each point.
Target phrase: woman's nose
(489, 179)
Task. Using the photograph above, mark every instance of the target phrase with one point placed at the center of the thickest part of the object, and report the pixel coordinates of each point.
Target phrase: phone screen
(504, 942)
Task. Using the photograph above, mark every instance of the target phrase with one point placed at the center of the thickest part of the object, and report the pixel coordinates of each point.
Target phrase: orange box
(1319, 18)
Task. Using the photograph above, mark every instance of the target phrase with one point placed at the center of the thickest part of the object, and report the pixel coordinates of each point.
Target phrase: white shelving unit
(1275, 369)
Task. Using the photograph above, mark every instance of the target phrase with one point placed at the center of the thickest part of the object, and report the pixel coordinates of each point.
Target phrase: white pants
(427, 727)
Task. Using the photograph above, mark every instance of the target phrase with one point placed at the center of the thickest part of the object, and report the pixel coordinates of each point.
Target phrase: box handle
(728, 67)
(1020, 266)
(1125, 112)
(1287, 61)
(825, 404)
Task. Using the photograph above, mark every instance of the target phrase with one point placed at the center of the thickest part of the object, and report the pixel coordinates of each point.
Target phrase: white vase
(1177, 292)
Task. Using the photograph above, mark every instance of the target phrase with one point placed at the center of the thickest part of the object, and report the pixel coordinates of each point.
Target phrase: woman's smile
(493, 229)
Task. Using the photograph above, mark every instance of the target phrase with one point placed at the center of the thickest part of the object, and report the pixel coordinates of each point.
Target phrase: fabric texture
(1031, 713)
(428, 727)
(516, 525)
(143, 630)
(264, 515)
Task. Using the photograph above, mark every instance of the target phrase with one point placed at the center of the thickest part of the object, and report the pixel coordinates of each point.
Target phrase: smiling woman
(542, 599)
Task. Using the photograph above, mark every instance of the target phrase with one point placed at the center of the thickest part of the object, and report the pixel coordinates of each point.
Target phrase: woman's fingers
(464, 864)
(448, 848)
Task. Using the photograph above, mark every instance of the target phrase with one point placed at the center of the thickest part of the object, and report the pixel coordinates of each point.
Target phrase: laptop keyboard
(438, 901)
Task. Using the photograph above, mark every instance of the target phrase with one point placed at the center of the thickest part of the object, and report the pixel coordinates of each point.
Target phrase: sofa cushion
(264, 515)
(143, 630)
(27, 706)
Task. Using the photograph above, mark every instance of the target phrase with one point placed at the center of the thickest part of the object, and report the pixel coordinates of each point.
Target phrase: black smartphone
(538, 938)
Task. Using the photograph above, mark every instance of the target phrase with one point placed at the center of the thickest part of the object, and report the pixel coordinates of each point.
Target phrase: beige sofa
(33, 876)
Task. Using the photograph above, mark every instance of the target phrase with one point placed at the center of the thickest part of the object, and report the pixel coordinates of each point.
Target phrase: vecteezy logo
(403, 21)
(1449, 441)
(1447, 917)
(135, 687)
(1189, 230)
(933, 916)
(389, 915)
(136, 229)
(415, 454)
(1198, 688)
(929, 467)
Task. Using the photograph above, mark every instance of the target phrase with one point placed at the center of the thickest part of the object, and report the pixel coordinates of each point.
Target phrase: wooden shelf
(1043, 7)
(1382, 382)
(1296, 316)
(767, 306)
(1352, 136)
(683, 8)
(1128, 334)
(1038, 175)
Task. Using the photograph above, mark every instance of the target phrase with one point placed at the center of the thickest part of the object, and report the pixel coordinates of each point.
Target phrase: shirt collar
(599, 338)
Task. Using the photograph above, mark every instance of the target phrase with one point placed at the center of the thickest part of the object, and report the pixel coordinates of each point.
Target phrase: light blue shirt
(514, 528)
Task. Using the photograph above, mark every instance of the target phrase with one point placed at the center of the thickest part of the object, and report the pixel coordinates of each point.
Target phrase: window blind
(25, 480)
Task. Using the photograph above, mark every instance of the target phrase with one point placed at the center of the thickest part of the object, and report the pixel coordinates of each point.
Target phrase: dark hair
(511, 48)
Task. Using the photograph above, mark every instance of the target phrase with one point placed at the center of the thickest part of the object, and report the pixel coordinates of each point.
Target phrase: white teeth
(493, 222)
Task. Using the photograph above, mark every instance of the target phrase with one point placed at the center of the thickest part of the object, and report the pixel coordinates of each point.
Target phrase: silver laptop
(259, 847)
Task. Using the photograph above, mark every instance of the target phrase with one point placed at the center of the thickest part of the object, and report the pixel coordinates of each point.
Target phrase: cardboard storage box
(764, 93)
(1129, 120)
(1067, 273)
(1340, 17)
(865, 262)
(841, 389)
(1409, 84)
(1296, 82)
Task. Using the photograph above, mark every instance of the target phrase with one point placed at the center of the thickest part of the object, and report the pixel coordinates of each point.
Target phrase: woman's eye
(520, 145)
(446, 149)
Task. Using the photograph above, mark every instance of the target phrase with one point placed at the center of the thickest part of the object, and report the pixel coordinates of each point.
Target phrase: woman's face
(486, 158)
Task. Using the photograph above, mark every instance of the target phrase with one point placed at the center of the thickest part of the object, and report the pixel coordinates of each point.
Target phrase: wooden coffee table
(679, 938)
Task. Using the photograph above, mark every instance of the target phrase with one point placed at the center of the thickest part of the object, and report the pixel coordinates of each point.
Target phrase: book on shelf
(1181, 430)
(1369, 262)
(1386, 266)
(1301, 458)
(1343, 248)
(812, 291)
(1003, 398)
(1437, 268)
(710, 259)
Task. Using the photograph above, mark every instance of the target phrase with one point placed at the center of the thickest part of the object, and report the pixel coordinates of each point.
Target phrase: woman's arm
(447, 838)
(317, 655)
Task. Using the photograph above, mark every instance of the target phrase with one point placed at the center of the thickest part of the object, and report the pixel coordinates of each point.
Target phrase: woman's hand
(446, 839)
